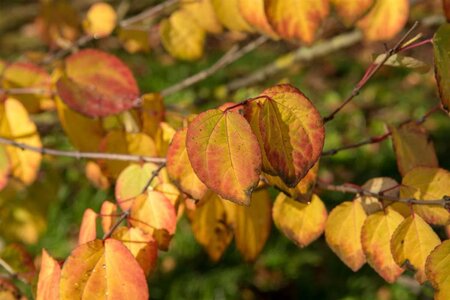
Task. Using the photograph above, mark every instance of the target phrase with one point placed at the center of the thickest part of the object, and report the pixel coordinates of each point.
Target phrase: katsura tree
(220, 168)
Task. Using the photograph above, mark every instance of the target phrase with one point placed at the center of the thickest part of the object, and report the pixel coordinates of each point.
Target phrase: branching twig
(79, 155)
(230, 56)
(11, 272)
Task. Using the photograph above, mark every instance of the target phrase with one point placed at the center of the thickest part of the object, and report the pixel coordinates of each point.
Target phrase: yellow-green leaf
(343, 233)
(441, 47)
(438, 271)
(412, 242)
(225, 154)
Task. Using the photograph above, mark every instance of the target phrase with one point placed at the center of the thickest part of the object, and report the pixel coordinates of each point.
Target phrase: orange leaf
(100, 20)
(180, 170)
(438, 272)
(95, 175)
(412, 147)
(224, 154)
(251, 225)
(97, 84)
(108, 213)
(102, 270)
(412, 242)
(88, 228)
(48, 282)
(350, 10)
(376, 237)
(343, 233)
(296, 19)
(385, 19)
(301, 223)
(254, 13)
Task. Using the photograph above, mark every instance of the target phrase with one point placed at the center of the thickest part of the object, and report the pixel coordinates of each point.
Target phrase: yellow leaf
(301, 223)
(376, 237)
(343, 233)
(438, 271)
(16, 124)
(428, 184)
(254, 13)
(203, 13)
(182, 37)
(385, 185)
(211, 227)
(251, 225)
(134, 40)
(297, 19)
(230, 16)
(412, 242)
(151, 113)
(350, 10)
(100, 20)
(163, 137)
(412, 147)
(385, 19)
(5, 167)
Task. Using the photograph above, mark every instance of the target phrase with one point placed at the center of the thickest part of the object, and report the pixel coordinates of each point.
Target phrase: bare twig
(154, 174)
(11, 272)
(122, 218)
(151, 12)
(26, 91)
(79, 155)
(230, 56)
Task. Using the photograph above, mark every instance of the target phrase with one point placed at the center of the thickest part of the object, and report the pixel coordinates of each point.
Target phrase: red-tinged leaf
(108, 213)
(412, 147)
(210, 226)
(28, 75)
(48, 282)
(291, 132)
(301, 223)
(131, 182)
(428, 184)
(97, 84)
(251, 225)
(180, 170)
(411, 243)
(438, 272)
(88, 228)
(441, 47)
(385, 19)
(343, 233)
(376, 237)
(102, 270)
(155, 214)
(254, 13)
(296, 19)
(224, 153)
(141, 244)
(350, 10)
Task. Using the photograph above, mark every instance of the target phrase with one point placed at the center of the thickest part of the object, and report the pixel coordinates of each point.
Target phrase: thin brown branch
(86, 155)
(148, 13)
(122, 218)
(229, 57)
(11, 272)
(155, 173)
(26, 91)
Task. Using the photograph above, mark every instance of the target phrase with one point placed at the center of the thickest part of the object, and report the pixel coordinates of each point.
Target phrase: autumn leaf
(5, 167)
(180, 170)
(343, 233)
(182, 37)
(134, 40)
(385, 19)
(254, 13)
(102, 270)
(151, 113)
(302, 223)
(376, 237)
(441, 48)
(108, 214)
(204, 15)
(350, 11)
(95, 175)
(229, 14)
(428, 184)
(412, 242)
(385, 185)
(412, 147)
(48, 280)
(163, 137)
(100, 20)
(97, 84)
(224, 153)
(251, 225)
(88, 228)
(438, 272)
(296, 19)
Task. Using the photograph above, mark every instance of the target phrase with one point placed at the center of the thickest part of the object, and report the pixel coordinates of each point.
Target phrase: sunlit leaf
(180, 170)
(228, 12)
(385, 185)
(102, 270)
(108, 214)
(350, 10)
(204, 15)
(385, 19)
(376, 237)
(254, 13)
(15, 123)
(343, 233)
(441, 47)
(428, 184)
(151, 113)
(163, 137)
(251, 225)
(141, 244)
(211, 227)
(95, 175)
(88, 228)
(224, 154)
(412, 242)
(182, 37)
(438, 272)
(413, 148)
(100, 20)
(296, 19)
(302, 223)
(97, 84)
(48, 282)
